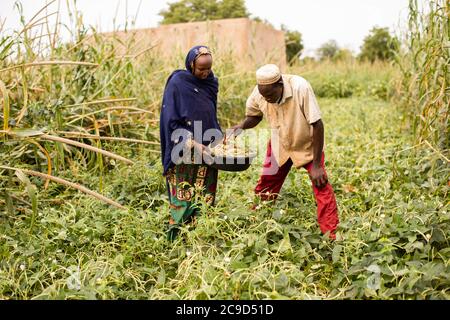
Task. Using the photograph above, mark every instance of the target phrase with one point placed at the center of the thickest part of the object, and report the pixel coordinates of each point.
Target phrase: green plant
(425, 76)
(58, 243)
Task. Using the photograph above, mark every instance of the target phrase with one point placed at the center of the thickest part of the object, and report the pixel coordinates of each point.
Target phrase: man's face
(202, 66)
(271, 92)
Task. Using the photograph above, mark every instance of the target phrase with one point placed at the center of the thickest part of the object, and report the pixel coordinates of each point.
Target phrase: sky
(346, 21)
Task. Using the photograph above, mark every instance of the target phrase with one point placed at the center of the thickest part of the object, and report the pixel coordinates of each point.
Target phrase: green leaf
(9, 203)
(277, 296)
(285, 245)
(281, 281)
(336, 253)
(438, 236)
(62, 235)
(31, 190)
(161, 277)
(236, 264)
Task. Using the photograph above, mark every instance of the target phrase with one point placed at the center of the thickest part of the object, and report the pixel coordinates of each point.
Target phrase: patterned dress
(189, 185)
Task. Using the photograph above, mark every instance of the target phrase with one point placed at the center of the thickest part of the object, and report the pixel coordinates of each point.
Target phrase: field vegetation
(84, 209)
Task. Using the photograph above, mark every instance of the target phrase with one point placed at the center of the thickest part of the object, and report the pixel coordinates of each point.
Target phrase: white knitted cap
(268, 74)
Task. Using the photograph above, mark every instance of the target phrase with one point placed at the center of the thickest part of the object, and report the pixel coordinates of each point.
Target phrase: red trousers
(269, 186)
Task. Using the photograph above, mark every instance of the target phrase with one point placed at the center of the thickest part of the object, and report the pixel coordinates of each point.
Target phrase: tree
(343, 55)
(294, 44)
(379, 45)
(265, 21)
(232, 9)
(201, 10)
(328, 50)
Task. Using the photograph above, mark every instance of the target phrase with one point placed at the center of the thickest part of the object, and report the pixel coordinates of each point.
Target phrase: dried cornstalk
(85, 146)
(68, 183)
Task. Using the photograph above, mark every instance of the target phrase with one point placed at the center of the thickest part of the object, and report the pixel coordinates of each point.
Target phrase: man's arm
(253, 114)
(248, 123)
(317, 174)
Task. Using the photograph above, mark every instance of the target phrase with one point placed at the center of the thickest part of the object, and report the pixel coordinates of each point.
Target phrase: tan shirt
(290, 120)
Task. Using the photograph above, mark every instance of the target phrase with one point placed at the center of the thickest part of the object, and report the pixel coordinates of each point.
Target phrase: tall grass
(342, 79)
(51, 89)
(425, 72)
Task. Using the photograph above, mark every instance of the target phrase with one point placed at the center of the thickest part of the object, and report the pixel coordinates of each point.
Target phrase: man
(289, 104)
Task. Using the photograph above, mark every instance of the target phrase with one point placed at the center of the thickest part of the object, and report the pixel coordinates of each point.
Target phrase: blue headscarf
(187, 99)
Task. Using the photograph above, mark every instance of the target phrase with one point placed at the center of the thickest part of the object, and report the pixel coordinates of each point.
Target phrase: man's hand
(236, 127)
(318, 177)
(248, 123)
(233, 131)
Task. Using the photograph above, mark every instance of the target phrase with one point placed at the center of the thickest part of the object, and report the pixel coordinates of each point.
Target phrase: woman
(189, 108)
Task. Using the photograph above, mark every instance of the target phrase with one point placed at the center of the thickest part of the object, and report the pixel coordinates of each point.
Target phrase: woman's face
(202, 66)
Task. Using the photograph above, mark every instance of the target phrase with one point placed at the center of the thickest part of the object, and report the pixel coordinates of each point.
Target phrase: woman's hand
(201, 149)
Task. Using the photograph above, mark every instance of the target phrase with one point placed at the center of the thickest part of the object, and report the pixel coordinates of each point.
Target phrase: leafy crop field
(84, 209)
(393, 202)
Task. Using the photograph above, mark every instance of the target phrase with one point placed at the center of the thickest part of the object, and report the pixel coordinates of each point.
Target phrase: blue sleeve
(172, 127)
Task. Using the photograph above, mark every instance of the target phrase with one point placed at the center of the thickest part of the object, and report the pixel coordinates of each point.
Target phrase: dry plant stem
(100, 102)
(86, 146)
(90, 136)
(68, 183)
(50, 63)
